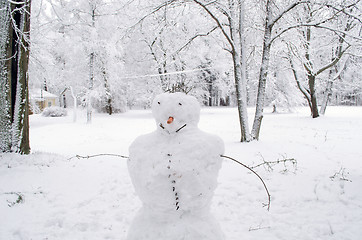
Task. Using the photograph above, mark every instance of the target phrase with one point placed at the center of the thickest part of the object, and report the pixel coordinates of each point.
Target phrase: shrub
(54, 112)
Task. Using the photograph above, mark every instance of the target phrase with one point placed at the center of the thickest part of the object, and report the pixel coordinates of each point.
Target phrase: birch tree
(235, 36)
(14, 59)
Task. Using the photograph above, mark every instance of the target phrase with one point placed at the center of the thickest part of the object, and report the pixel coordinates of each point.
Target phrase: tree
(235, 37)
(77, 44)
(271, 19)
(234, 13)
(335, 26)
(14, 60)
(167, 50)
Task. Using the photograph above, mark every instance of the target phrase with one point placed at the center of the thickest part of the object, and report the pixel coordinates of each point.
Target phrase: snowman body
(174, 171)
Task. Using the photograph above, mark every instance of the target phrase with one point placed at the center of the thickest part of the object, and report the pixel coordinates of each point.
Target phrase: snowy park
(180, 120)
(52, 194)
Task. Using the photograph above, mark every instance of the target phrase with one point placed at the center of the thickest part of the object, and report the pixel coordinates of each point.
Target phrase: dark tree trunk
(313, 96)
(21, 112)
(14, 75)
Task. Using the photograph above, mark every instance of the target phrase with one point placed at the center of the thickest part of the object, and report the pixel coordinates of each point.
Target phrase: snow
(38, 94)
(63, 197)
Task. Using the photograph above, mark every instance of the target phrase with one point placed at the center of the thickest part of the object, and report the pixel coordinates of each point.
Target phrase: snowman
(174, 172)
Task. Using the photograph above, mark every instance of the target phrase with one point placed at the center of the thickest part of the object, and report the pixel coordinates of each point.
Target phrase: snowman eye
(158, 103)
(180, 104)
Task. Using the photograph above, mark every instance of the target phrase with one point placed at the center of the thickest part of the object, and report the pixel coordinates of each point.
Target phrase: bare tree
(234, 35)
(310, 31)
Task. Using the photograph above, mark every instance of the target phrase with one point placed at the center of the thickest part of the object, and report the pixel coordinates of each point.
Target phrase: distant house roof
(40, 94)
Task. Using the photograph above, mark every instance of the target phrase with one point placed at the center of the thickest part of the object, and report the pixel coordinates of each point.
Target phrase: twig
(292, 160)
(341, 175)
(257, 228)
(266, 189)
(98, 155)
(19, 200)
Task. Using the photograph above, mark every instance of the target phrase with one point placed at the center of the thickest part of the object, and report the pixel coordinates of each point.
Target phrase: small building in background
(40, 99)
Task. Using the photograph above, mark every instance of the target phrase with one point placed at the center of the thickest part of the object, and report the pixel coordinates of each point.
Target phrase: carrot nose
(170, 120)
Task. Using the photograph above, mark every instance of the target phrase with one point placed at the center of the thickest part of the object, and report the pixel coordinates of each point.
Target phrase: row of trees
(119, 54)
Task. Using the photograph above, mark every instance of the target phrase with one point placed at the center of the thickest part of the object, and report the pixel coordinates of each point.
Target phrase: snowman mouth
(161, 126)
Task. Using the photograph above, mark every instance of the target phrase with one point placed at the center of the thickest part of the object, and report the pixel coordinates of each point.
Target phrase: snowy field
(316, 193)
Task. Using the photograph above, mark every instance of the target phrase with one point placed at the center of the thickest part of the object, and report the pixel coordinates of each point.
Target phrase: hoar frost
(174, 171)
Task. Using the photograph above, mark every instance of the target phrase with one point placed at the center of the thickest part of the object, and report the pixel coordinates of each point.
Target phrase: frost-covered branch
(334, 62)
(204, 6)
(269, 164)
(286, 10)
(16, 3)
(320, 24)
(22, 35)
(343, 9)
(194, 37)
(304, 90)
(156, 9)
(339, 72)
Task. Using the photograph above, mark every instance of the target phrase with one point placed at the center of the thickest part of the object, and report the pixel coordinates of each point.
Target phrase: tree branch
(250, 169)
(319, 24)
(156, 9)
(300, 87)
(343, 9)
(218, 23)
(334, 62)
(290, 7)
(98, 155)
(194, 37)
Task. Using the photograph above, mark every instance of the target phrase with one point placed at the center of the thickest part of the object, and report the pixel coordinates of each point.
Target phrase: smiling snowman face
(173, 111)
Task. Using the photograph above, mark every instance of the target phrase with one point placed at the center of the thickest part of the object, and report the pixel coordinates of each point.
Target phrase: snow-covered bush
(54, 112)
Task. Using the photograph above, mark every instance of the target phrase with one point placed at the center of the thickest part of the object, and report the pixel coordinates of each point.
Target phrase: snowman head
(174, 111)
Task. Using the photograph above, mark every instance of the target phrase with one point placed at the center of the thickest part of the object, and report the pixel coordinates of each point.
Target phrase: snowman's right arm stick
(267, 191)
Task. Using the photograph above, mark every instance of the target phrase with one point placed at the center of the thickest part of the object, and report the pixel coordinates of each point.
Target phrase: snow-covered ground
(316, 194)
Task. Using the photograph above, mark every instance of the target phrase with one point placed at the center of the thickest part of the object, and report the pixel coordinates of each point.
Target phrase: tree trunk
(303, 90)
(327, 95)
(263, 75)
(109, 108)
(241, 99)
(91, 69)
(237, 36)
(90, 88)
(14, 75)
(313, 96)
(5, 76)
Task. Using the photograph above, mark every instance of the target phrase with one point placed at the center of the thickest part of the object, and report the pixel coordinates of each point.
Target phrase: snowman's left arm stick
(98, 155)
(266, 189)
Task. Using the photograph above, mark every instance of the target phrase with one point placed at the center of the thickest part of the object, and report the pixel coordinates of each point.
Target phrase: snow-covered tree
(14, 59)
(167, 49)
(80, 48)
(320, 60)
